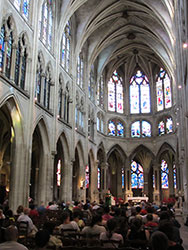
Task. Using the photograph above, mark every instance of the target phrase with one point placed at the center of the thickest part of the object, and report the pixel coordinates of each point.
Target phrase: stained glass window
(17, 64)
(153, 177)
(87, 177)
(98, 123)
(98, 178)
(115, 93)
(9, 55)
(175, 178)
(17, 4)
(38, 82)
(2, 47)
(116, 128)
(102, 125)
(65, 47)
(80, 71)
(123, 178)
(46, 23)
(161, 128)
(137, 175)
(59, 173)
(25, 9)
(139, 94)
(146, 129)
(120, 129)
(23, 70)
(91, 84)
(163, 88)
(169, 125)
(164, 174)
(111, 128)
(135, 129)
(100, 92)
(60, 102)
(47, 85)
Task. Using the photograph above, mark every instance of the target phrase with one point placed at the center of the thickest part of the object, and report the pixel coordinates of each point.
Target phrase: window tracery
(100, 92)
(165, 126)
(141, 129)
(115, 93)
(46, 23)
(23, 6)
(65, 47)
(91, 84)
(163, 89)
(139, 94)
(116, 128)
(137, 175)
(21, 63)
(80, 71)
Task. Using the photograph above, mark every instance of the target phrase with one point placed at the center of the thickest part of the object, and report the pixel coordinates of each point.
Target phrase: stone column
(81, 184)
(157, 181)
(119, 181)
(94, 182)
(146, 178)
(41, 101)
(66, 184)
(171, 180)
(128, 190)
(104, 168)
(5, 54)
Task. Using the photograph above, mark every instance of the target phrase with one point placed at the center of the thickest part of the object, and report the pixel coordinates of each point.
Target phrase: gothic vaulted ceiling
(123, 32)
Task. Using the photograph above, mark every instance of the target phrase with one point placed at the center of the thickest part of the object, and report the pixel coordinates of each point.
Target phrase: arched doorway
(40, 179)
(58, 171)
(115, 177)
(36, 162)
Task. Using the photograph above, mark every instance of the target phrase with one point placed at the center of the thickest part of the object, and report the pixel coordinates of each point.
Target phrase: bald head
(11, 233)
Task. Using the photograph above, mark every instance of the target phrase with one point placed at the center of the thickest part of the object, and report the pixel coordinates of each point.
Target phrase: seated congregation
(90, 226)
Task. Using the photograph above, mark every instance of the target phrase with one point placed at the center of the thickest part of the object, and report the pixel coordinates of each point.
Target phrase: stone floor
(183, 230)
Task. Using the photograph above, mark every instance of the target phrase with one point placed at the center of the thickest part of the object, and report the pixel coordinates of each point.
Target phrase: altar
(138, 199)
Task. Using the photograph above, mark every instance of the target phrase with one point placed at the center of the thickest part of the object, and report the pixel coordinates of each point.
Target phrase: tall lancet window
(100, 92)
(46, 23)
(23, 6)
(2, 47)
(80, 71)
(164, 174)
(137, 175)
(115, 93)
(139, 94)
(91, 84)
(65, 47)
(163, 89)
(9, 55)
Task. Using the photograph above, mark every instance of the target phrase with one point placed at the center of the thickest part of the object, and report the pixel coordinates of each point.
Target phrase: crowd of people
(142, 225)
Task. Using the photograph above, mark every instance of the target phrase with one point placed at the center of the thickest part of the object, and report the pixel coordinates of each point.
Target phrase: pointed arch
(44, 130)
(165, 148)
(117, 148)
(140, 148)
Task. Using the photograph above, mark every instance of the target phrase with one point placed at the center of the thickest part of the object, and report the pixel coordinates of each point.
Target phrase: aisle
(183, 231)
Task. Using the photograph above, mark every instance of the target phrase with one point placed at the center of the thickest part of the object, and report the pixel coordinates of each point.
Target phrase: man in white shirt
(25, 217)
(11, 235)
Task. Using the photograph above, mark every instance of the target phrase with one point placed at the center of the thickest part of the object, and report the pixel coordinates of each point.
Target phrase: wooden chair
(22, 229)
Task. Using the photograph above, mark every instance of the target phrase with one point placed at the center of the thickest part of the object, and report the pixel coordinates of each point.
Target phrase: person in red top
(150, 223)
(33, 212)
(106, 216)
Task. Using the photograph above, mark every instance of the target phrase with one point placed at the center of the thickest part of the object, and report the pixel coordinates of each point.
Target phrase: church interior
(93, 98)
